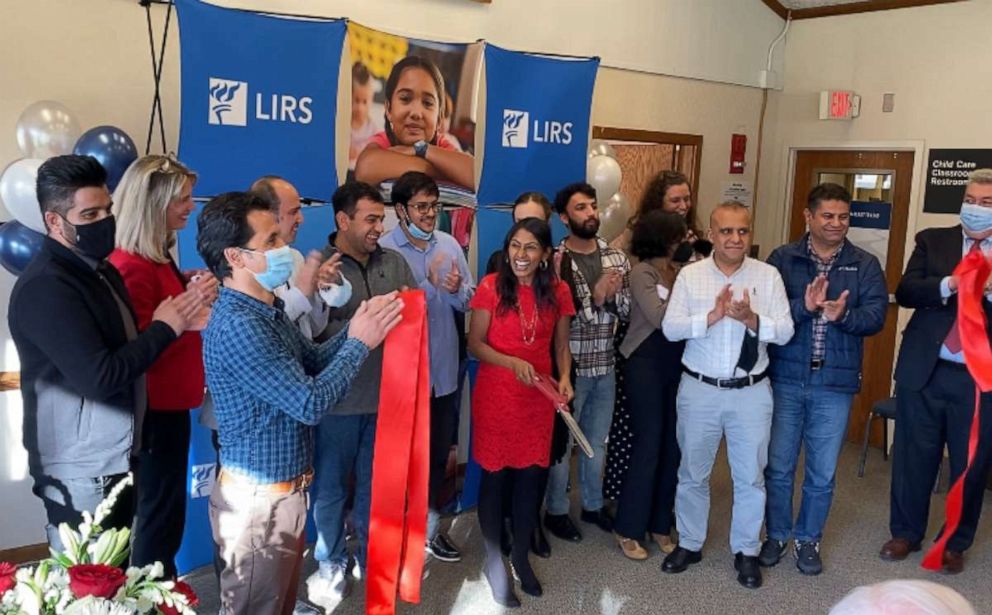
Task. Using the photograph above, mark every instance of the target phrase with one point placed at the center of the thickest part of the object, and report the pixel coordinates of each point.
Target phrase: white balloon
(47, 128)
(614, 217)
(18, 192)
(604, 174)
(598, 147)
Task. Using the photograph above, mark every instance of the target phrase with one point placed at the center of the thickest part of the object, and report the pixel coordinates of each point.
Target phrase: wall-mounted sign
(947, 174)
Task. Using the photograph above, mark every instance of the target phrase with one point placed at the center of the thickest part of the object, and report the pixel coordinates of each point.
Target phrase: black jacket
(78, 369)
(938, 251)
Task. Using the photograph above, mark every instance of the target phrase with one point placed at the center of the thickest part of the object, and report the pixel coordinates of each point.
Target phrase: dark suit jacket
(938, 251)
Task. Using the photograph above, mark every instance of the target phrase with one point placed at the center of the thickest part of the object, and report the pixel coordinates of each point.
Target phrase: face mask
(682, 253)
(415, 230)
(278, 267)
(96, 239)
(337, 295)
(976, 218)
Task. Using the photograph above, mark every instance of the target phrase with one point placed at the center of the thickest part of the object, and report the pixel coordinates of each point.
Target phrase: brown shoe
(631, 548)
(898, 549)
(953, 562)
(664, 542)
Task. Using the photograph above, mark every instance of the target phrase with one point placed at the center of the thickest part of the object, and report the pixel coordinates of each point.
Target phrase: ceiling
(808, 9)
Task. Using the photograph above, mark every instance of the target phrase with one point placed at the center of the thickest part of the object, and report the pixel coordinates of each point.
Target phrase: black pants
(526, 487)
(938, 414)
(161, 489)
(647, 496)
(443, 423)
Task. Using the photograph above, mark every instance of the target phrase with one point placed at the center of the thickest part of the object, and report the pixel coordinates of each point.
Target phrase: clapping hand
(836, 309)
(607, 286)
(723, 301)
(375, 318)
(330, 272)
(741, 311)
(816, 293)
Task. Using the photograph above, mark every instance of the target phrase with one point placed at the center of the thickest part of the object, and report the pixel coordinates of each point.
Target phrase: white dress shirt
(714, 351)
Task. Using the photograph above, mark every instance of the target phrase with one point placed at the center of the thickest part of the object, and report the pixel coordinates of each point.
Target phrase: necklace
(528, 330)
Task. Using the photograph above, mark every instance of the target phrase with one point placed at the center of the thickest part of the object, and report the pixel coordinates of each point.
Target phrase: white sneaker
(329, 586)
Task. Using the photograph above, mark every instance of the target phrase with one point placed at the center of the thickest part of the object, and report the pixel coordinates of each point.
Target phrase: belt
(816, 364)
(952, 364)
(300, 483)
(727, 383)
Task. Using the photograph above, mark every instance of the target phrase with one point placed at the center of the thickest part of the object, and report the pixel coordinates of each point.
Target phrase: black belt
(815, 364)
(727, 383)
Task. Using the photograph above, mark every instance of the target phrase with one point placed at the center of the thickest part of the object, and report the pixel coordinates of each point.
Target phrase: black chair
(884, 409)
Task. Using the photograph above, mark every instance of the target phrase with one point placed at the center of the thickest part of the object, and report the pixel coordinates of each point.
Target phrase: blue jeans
(344, 443)
(817, 418)
(594, 398)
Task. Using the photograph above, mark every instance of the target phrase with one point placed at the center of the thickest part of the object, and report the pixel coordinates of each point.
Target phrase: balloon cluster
(604, 174)
(45, 129)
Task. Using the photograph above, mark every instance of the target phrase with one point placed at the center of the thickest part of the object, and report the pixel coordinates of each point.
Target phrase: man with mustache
(598, 276)
(346, 435)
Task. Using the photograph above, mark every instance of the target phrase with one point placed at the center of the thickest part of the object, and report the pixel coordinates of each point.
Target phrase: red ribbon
(972, 274)
(398, 516)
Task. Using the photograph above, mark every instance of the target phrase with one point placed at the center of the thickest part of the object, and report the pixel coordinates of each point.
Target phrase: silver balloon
(604, 174)
(18, 193)
(614, 217)
(45, 129)
(598, 147)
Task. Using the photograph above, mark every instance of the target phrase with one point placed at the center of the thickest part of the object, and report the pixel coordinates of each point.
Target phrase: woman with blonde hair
(153, 201)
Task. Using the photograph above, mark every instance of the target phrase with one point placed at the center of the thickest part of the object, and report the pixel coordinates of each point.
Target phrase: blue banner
(871, 214)
(537, 130)
(259, 97)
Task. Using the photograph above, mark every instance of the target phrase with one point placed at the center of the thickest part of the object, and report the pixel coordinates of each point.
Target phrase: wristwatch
(420, 149)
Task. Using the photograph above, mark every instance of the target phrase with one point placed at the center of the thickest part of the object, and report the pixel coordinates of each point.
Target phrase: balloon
(614, 217)
(604, 174)
(18, 245)
(598, 147)
(17, 191)
(45, 129)
(112, 147)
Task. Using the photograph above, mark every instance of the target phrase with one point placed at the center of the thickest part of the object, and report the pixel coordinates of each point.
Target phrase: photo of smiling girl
(413, 139)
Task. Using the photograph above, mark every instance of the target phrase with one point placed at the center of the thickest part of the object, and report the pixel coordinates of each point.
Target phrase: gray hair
(980, 176)
(903, 597)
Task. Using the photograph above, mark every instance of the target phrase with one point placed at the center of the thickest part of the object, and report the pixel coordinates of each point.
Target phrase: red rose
(7, 580)
(184, 589)
(98, 580)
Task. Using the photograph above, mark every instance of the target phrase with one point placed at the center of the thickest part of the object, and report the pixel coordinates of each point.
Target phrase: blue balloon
(18, 245)
(112, 147)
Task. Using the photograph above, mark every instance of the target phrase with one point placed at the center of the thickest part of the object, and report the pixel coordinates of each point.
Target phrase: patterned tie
(953, 339)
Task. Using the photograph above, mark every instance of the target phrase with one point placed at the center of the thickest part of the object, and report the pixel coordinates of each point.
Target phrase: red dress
(512, 422)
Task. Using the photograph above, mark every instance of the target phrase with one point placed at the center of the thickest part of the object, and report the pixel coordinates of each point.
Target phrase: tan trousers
(260, 537)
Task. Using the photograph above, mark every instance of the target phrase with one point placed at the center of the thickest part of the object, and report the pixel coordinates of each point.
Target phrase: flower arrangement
(85, 578)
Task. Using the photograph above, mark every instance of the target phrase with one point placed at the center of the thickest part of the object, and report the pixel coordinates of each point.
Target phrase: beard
(584, 230)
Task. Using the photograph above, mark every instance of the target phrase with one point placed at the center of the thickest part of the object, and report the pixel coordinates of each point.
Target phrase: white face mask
(337, 295)
(976, 218)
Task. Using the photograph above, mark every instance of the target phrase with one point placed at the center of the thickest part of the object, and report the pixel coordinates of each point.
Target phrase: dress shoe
(680, 559)
(631, 548)
(539, 543)
(562, 527)
(772, 551)
(748, 570)
(898, 549)
(600, 518)
(953, 562)
(664, 542)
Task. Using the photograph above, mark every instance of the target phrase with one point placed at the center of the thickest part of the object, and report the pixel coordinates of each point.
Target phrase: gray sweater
(648, 308)
(385, 272)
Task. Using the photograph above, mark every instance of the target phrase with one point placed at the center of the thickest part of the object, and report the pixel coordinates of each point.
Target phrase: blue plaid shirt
(271, 385)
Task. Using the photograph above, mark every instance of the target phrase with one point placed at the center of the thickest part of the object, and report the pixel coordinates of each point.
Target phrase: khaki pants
(259, 536)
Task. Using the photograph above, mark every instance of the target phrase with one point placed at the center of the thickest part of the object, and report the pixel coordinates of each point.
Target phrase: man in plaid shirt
(598, 277)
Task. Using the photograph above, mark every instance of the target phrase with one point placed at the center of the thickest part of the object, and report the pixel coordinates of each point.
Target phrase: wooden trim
(777, 7)
(25, 554)
(646, 136)
(10, 381)
(866, 6)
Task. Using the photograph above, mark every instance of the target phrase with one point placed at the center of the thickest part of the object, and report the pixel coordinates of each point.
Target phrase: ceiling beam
(862, 7)
(776, 6)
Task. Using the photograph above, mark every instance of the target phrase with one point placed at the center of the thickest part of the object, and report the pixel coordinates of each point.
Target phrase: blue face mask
(337, 295)
(976, 218)
(415, 230)
(278, 267)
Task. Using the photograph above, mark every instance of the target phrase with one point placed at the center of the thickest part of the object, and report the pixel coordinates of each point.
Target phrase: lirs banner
(259, 97)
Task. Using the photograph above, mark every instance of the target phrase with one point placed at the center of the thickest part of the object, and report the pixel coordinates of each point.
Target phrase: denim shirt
(271, 385)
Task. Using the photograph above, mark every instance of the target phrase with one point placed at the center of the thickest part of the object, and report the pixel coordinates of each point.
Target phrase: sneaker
(441, 548)
(771, 552)
(808, 558)
(329, 585)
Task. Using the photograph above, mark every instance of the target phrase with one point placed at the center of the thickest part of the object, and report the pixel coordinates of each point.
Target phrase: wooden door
(878, 177)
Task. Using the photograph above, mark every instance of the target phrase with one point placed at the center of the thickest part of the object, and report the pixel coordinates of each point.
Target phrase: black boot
(539, 543)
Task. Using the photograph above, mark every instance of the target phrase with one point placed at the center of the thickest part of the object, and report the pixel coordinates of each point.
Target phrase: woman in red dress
(515, 314)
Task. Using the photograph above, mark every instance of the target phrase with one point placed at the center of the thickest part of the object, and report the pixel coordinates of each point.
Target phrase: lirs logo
(229, 105)
(228, 102)
(519, 131)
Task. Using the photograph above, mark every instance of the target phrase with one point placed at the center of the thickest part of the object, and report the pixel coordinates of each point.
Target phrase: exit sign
(839, 105)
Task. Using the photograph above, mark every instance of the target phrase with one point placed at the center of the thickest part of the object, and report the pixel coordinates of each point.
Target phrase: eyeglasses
(424, 207)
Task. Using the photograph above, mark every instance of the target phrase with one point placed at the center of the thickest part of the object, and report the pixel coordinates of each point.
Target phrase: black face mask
(96, 239)
(683, 252)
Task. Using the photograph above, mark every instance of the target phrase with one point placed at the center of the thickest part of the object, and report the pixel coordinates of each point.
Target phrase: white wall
(93, 56)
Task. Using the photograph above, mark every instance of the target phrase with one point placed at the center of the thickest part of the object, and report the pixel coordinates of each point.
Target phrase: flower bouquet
(86, 579)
